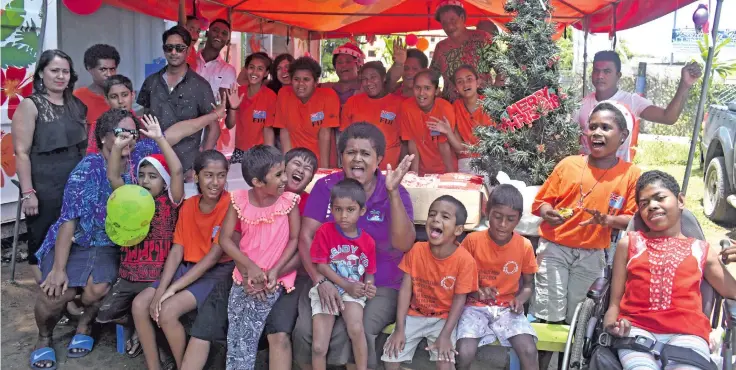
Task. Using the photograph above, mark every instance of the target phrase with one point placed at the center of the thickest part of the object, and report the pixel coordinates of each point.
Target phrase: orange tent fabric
(339, 18)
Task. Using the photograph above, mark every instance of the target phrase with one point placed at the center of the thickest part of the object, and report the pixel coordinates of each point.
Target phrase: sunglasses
(180, 48)
(119, 131)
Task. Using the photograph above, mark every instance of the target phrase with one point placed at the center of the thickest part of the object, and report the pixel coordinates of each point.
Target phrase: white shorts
(645, 361)
(491, 323)
(418, 328)
(317, 305)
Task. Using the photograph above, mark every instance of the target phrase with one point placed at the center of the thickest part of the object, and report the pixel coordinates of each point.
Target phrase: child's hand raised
(152, 127)
(440, 125)
(444, 349)
(123, 140)
(356, 289)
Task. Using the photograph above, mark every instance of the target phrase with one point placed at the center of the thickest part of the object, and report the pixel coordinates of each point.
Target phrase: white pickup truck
(718, 157)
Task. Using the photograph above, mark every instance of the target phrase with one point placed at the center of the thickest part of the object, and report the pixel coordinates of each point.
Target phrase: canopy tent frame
(703, 95)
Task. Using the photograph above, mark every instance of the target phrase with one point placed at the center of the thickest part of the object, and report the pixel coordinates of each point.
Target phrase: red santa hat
(352, 50)
(443, 3)
(159, 163)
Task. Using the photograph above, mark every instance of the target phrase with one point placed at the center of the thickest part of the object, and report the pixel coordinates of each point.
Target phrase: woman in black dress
(49, 139)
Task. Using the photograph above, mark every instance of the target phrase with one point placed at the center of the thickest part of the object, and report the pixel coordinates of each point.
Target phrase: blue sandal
(83, 342)
(43, 354)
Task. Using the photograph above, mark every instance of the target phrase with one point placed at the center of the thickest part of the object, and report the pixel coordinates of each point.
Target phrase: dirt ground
(19, 331)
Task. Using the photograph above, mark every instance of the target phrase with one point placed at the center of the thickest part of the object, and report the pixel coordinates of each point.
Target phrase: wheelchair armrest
(730, 308)
(599, 289)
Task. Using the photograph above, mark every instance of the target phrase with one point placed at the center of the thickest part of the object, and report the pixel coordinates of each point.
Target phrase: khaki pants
(565, 274)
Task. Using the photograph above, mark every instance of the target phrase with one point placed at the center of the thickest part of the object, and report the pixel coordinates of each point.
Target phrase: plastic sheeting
(339, 18)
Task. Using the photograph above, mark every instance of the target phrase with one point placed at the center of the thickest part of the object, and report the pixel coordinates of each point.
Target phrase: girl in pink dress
(269, 220)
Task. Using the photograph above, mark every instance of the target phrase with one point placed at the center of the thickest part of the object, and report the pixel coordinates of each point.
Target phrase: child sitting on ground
(140, 265)
(194, 266)
(655, 287)
(269, 222)
(346, 256)
(503, 258)
(438, 276)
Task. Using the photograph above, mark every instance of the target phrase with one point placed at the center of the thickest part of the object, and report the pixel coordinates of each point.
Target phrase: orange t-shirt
(413, 126)
(303, 121)
(382, 113)
(467, 121)
(255, 114)
(96, 105)
(500, 266)
(614, 194)
(436, 281)
(197, 231)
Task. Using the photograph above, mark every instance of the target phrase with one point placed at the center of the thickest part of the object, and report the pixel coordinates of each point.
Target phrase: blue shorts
(201, 288)
(100, 262)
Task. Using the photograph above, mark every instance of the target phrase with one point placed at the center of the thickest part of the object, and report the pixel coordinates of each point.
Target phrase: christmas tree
(534, 126)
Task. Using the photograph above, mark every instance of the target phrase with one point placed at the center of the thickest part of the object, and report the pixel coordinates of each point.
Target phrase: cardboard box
(468, 189)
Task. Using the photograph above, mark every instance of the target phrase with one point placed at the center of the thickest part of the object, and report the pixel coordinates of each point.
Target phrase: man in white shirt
(216, 70)
(605, 77)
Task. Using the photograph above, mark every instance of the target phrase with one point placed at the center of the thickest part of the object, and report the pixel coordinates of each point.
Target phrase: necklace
(584, 195)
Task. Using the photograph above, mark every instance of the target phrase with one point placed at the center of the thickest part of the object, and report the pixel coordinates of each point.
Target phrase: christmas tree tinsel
(528, 58)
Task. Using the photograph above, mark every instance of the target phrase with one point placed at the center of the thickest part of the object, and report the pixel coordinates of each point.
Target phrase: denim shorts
(201, 288)
(100, 262)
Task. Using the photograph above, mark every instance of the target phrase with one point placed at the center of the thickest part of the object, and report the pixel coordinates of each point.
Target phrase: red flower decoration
(523, 68)
(7, 157)
(13, 85)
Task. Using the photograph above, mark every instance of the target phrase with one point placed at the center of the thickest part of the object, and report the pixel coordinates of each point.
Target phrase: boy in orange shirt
(306, 113)
(584, 200)
(101, 61)
(431, 150)
(438, 276)
(503, 258)
(468, 113)
(376, 106)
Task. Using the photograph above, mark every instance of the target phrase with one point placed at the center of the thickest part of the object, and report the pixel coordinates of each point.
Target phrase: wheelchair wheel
(578, 344)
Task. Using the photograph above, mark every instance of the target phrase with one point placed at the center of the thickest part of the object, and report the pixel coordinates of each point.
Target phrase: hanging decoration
(700, 18)
(83, 7)
(255, 45)
(370, 39)
(529, 109)
(411, 39)
(422, 44)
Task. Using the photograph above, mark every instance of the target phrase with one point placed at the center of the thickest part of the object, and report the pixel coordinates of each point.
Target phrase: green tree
(328, 46)
(566, 50)
(529, 58)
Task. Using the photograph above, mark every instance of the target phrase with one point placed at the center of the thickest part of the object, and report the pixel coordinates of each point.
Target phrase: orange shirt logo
(387, 117)
(317, 118)
(448, 282)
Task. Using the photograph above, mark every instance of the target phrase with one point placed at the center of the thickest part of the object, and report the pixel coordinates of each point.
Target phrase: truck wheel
(717, 189)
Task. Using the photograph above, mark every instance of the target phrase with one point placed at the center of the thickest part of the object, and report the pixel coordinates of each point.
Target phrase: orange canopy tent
(315, 19)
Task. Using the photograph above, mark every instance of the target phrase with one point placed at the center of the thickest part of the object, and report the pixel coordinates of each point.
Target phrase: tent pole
(703, 95)
(586, 26)
(229, 20)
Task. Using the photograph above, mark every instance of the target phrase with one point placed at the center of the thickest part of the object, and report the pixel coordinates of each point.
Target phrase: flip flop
(43, 354)
(80, 341)
(133, 342)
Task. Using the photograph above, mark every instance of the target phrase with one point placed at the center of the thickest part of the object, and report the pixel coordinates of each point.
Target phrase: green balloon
(123, 237)
(131, 207)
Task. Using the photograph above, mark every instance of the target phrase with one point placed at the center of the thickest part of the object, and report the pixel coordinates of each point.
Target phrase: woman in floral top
(77, 257)
(462, 46)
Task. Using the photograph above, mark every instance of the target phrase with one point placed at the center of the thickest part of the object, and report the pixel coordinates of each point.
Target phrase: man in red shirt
(101, 61)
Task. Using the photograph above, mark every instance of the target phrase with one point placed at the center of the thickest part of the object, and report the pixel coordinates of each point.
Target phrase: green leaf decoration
(12, 18)
(17, 55)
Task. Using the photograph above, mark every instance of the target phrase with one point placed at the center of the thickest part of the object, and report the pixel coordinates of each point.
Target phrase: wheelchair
(589, 347)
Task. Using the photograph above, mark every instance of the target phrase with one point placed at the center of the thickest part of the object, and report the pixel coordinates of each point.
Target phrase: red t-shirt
(350, 258)
(145, 261)
(413, 125)
(467, 122)
(253, 115)
(96, 105)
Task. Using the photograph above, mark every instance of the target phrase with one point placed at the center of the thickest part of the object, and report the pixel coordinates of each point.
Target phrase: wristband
(29, 191)
(321, 281)
(218, 115)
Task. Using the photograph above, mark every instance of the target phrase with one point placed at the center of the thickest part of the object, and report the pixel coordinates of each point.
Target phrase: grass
(672, 158)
